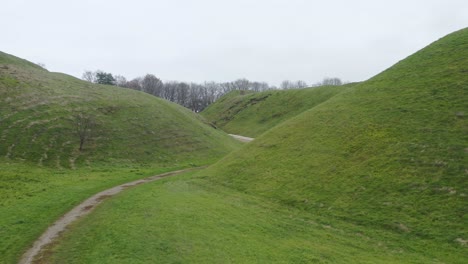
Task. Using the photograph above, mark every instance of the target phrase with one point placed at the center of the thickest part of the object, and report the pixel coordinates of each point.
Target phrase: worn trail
(53, 232)
(241, 138)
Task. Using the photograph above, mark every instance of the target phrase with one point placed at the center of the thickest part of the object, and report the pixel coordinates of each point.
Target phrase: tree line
(195, 96)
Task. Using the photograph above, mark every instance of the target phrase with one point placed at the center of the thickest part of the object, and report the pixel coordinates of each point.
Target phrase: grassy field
(42, 171)
(251, 114)
(31, 197)
(376, 174)
(187, 219)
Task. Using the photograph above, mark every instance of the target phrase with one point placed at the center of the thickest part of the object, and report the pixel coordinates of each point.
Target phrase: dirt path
(241, 138)
(83, 209)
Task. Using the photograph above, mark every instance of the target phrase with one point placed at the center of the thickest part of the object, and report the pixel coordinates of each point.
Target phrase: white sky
(220, 40)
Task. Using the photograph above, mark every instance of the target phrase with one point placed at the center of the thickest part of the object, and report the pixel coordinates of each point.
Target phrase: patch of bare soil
(36, 253)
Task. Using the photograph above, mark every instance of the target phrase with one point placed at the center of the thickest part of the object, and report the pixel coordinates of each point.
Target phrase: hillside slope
(251, 114)
(389, 153)
(43, 174)
(39, 117)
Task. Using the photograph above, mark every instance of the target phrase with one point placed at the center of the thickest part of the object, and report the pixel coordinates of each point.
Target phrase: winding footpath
(84, 208)
(53, 232)
(241, 138)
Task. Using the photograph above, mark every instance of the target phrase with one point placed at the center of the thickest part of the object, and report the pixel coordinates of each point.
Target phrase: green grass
(389, 153)
(42, 172)
(187, 220)
(7, 59)
(251, 114)
(37, 125)
(375, 174)
(31, 198)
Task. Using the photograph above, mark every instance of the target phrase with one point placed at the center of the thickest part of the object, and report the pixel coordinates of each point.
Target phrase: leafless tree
(120, 80)
(182, 94)
(170, 91)
(198, 96)
(83, 127)
(286, 84)
(226, 87)
(242, 84)
(213, 91)
(332, 81)
(152, 85)
(301, 84)
(259, 86)
(89, 76)
(134, 84)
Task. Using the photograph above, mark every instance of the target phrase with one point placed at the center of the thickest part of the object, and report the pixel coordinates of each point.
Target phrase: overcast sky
(222, 40)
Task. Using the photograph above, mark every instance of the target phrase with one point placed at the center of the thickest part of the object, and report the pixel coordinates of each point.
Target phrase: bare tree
(286, 84)
(182, 95)
(213, 90)
(194, 95)
(83, 127)
(241, 84)
(134, 84)
(89, 76)
(170, 91)
(332, 81)
(100, 77)
(120, 80)
(301, 84)
(152, 85)
(259, 86)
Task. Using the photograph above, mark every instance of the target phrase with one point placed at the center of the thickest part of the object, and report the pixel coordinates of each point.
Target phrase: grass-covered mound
(390, 153)
(40, 113)
(43, 173)
(251, 114)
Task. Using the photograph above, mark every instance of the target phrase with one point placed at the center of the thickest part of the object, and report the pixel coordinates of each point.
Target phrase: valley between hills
(368, 172)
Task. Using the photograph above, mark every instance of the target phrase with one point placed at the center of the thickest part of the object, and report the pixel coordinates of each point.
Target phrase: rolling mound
(131, 135)
(41, 114)
(251, 114)
(387, 154)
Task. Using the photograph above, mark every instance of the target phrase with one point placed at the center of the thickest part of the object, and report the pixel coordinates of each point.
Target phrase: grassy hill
(38, 122)
(251, 114)
(43, 173)
(389, 153)
(376, 174)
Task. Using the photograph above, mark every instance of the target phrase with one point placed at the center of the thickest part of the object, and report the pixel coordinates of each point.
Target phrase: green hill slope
(43, 174)
(390, 153)
(251, 114)
(38, 122)
(7, 59)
